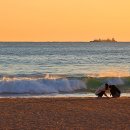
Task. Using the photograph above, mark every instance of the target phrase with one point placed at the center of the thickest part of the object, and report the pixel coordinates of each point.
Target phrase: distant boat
(104, 40)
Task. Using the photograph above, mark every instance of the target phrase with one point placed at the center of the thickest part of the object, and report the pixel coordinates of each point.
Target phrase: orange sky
(64, 20)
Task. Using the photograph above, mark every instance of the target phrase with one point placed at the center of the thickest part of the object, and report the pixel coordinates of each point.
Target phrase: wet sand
(65, 113)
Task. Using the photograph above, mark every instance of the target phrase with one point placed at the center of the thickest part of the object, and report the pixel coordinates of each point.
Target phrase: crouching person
(114, 91)
(102, 91)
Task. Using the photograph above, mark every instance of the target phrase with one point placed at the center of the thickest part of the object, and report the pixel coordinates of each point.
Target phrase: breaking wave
(40, 86)
(47, 84)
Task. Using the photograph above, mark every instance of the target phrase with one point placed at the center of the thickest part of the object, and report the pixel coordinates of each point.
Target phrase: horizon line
(53, 41)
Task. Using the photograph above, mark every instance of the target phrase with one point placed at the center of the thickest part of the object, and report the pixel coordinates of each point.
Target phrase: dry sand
(65, 113)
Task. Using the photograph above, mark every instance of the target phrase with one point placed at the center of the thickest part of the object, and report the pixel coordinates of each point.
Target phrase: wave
(47, 84)
(123, 83)
(40, 86)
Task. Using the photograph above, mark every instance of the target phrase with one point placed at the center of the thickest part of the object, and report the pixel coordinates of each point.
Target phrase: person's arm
(110, 92)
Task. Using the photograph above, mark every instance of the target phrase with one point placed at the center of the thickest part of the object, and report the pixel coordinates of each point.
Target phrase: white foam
(40, 86)
(82, 95)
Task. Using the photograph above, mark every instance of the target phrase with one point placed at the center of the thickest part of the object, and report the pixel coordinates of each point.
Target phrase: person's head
(106, 86)
(110, 86)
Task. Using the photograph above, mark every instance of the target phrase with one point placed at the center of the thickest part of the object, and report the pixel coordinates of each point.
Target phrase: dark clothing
(101, 94)
(115, 92)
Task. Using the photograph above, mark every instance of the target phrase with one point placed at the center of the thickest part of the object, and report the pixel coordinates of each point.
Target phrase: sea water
(62, 68)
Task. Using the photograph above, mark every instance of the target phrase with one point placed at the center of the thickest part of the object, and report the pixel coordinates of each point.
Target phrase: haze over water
(108, 59)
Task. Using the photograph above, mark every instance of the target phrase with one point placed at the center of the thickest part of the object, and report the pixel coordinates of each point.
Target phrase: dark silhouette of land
(104, 40)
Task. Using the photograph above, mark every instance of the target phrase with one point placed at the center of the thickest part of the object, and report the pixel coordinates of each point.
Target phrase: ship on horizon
(104, 40)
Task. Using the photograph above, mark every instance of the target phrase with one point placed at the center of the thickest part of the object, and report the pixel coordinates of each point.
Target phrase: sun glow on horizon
(114, 72)
(68, 20)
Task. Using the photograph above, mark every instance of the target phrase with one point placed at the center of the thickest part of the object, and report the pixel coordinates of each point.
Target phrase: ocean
(62, 68)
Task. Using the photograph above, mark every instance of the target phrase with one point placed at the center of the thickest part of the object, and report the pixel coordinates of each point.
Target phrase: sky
(64, 20)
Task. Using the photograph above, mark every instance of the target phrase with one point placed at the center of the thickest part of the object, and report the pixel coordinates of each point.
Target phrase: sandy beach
(64, 113)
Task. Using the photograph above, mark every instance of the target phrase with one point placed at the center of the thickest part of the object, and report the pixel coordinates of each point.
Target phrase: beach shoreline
(65, 113)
